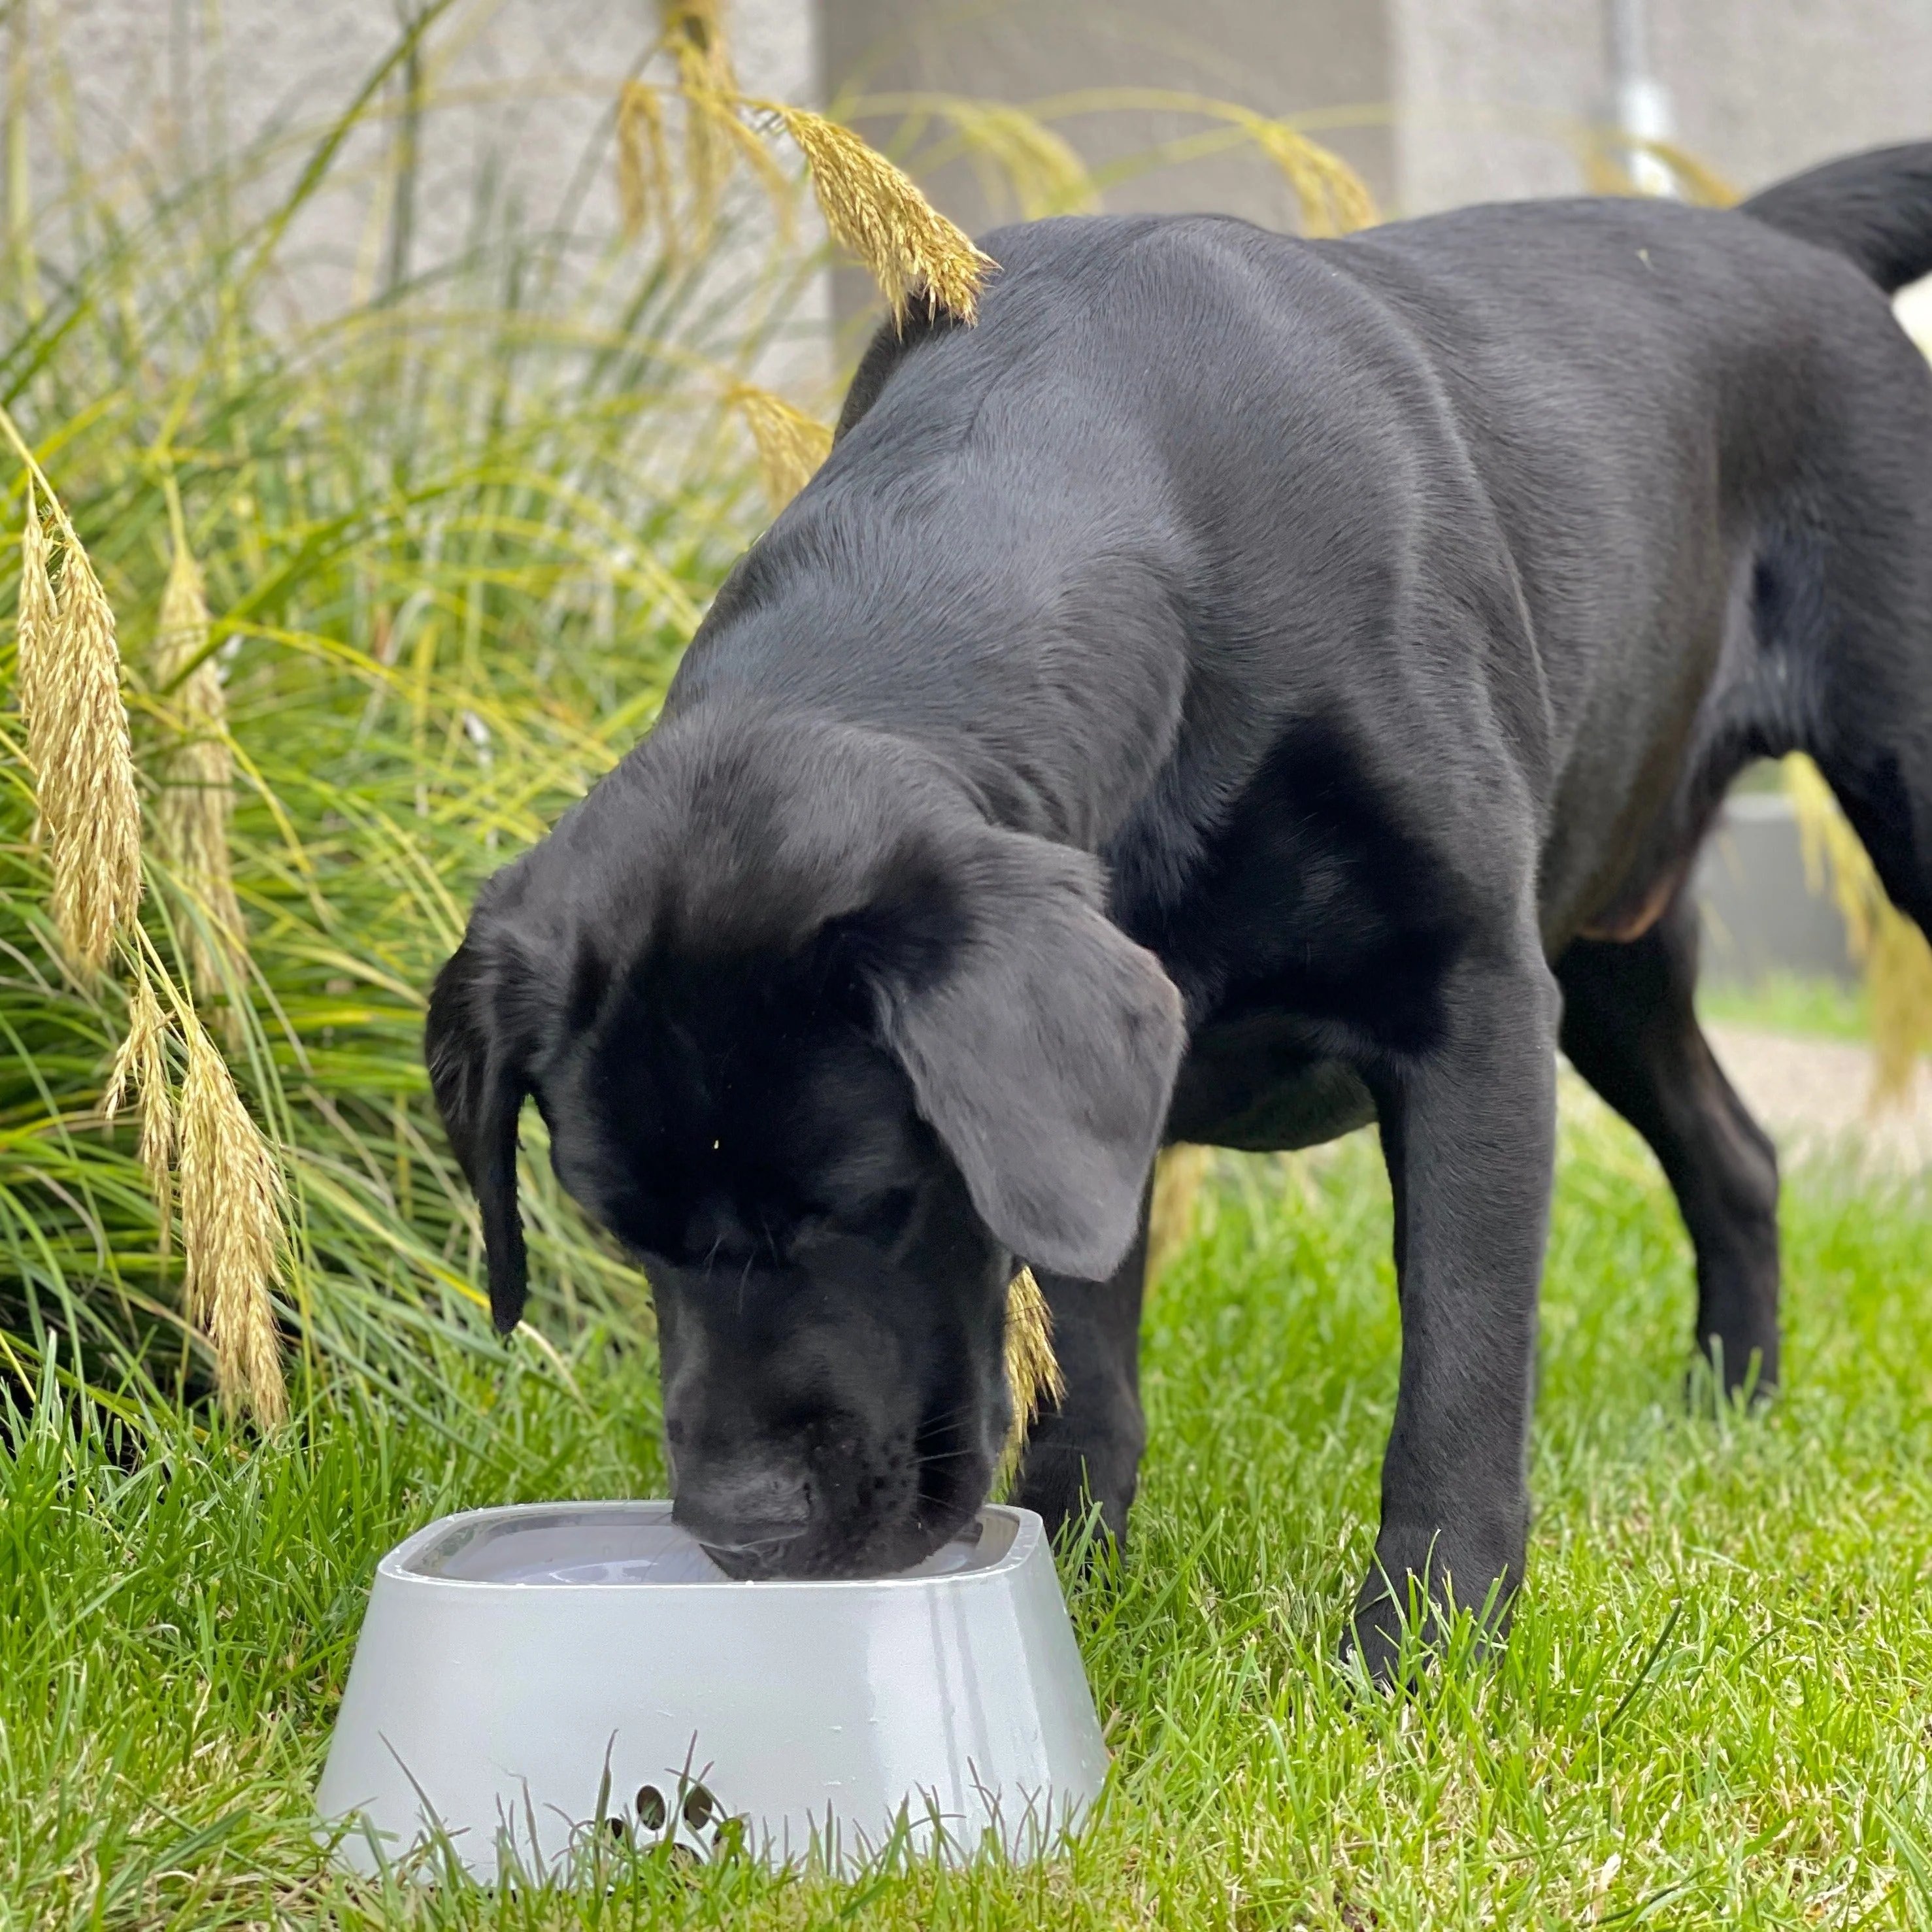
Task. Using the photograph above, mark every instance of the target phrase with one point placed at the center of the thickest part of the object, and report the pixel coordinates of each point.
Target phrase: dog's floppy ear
(476, 1071)
(1042, 1049)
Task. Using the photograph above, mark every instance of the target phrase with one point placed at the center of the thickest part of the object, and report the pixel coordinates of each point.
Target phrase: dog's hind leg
(1874, 745)
(1631, 1029)
(1850, 624)
(1086, 1449)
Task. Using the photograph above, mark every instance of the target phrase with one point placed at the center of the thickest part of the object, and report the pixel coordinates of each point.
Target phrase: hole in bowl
(699, 1807)
(652, 1810)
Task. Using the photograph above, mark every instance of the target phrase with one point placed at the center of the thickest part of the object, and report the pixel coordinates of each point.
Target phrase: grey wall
(519, 93)
(1760, 915)
(1438, 102)
(1278, 56)
(1472, 100)
(1490, 93)
(1458, 99)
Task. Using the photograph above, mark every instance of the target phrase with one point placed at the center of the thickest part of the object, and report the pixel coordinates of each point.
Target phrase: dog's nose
(741, 1505)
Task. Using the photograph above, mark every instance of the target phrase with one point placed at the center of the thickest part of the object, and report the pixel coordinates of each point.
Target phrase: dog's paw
(1732, 1379)
(1383, 1642)
(1077, 1493)
(1409, 1613)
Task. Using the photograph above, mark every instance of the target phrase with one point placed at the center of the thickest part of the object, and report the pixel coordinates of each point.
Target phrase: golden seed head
(790, 444)
(1044, 169)
(644, 162)
(232, 1230)
(874, 210)
(1177, 1176)
(140, 1071)
(1334, 198)
(694, 31)
(195, 774)
(1894, 952)
(34, 630)
(77, 742)
(1033, 1370)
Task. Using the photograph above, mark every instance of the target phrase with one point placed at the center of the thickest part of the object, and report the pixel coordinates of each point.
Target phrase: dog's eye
(882, 1217)
(892, 1210)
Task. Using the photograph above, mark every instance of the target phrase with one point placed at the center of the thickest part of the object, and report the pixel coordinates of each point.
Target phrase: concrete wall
(1277, 57)
(1491, 94)
(1760, 915)
(517, 126)
(1457, 99)
(1470, 99)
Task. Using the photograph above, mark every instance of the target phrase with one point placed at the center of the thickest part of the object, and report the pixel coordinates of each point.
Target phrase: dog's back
(1480, 487)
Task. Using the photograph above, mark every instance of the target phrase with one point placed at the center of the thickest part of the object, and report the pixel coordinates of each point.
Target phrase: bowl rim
(397, 1566)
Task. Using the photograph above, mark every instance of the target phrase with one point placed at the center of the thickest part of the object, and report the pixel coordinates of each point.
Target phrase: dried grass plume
(230, 1187)
(68, 677)
(694, 33)
(790, 444)
(876, 210)
(694, 30)
(78, 745)
(644, 183)
(196, 776)
(34, 629)
(140, 1072)
(1037, 162)
(1332, 198)
(1896, 958)
(871, 208)
(1033, 1370)
(715, 136)
(232, 1221)
(1177, 1176)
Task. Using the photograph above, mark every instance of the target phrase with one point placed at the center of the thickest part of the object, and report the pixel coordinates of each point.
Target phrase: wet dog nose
(740, 1505)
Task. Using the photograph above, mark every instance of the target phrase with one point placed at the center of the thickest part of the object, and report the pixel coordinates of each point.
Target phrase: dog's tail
(1874, 207)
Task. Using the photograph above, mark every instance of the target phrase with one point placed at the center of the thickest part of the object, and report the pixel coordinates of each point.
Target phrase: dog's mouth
(941, 1490)
(812, 1555)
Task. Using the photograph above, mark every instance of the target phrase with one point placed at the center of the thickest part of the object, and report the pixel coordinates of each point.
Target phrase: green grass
(1712, 1710)
(1793, 1003)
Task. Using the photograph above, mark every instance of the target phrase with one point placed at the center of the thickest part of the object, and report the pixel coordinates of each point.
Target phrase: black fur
(1222, 695)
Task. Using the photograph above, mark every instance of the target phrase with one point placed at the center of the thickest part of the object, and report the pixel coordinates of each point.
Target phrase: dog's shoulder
(1052, 274)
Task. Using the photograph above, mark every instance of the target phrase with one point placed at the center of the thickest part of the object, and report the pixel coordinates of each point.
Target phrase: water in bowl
(636, 1543)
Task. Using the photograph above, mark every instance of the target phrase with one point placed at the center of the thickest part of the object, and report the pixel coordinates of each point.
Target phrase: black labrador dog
(1242, 689)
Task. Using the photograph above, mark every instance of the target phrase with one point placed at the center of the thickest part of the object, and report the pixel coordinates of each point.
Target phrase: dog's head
(829, 1054)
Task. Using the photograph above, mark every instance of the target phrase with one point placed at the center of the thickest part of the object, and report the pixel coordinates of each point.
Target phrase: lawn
(1805, 1004)
(1712, 1709)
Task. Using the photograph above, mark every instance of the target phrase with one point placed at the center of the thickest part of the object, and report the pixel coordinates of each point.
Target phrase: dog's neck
(987, 669)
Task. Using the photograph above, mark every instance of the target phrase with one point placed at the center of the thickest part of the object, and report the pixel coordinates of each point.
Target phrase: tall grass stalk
(392, 588)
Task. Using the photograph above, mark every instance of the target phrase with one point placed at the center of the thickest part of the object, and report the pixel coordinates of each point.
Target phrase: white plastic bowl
(522, 1671)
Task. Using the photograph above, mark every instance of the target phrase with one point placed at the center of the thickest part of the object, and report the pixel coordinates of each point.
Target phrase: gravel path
(1813, 1096)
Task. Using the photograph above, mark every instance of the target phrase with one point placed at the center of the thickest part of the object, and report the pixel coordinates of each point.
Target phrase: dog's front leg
(1086, 1449)
(1467, 1130)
